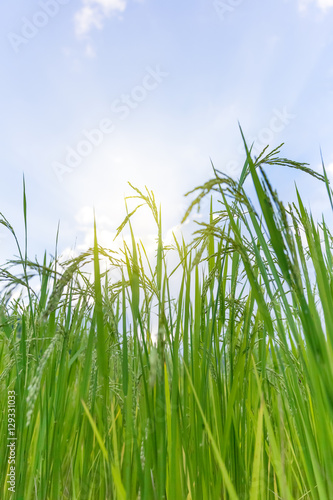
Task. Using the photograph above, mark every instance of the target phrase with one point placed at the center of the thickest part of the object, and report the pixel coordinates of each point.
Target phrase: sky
(99, 93)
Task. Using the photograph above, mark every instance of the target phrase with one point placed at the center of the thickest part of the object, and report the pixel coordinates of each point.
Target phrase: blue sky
(96, 93)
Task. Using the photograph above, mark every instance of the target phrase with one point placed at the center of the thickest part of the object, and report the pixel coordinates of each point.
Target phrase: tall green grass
(232, 399)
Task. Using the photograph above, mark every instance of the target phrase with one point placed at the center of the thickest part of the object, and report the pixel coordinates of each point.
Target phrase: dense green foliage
(234, 397)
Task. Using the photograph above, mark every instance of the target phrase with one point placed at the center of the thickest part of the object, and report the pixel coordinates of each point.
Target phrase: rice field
(230, 398)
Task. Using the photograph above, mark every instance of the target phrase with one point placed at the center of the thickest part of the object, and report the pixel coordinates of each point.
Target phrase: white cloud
(322, 4)
(329, 168)
(325, 4)
(89, 51)
(93, 12)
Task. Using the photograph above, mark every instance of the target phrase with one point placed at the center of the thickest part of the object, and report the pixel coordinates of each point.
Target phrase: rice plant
(231, 398)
